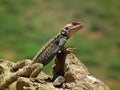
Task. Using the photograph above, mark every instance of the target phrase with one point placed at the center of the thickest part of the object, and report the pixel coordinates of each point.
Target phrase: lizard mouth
(77, 25)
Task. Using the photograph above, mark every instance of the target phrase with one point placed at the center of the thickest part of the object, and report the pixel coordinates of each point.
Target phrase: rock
(59, 81)
(25, 84)
(5, 66)
(76, 77)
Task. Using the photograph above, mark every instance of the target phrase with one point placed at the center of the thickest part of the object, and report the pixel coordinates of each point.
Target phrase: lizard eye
(66, 28)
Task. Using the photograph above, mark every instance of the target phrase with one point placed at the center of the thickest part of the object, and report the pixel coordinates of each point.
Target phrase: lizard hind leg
(37, 70)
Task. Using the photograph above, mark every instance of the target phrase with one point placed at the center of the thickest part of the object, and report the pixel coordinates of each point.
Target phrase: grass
(25, 25)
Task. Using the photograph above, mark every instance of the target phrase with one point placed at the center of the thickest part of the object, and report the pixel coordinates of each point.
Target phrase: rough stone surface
(5, 66)
(58, 81)
(76, 77)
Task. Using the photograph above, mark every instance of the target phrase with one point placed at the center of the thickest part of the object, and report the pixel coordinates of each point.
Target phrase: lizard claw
(71, 49)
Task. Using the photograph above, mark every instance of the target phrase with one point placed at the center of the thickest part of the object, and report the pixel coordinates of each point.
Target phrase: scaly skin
(50, 49)
(44, 56)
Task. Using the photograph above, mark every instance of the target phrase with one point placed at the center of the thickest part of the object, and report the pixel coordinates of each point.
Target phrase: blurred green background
(25, 25)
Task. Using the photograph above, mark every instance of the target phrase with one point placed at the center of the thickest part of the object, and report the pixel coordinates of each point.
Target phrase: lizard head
(71, 28)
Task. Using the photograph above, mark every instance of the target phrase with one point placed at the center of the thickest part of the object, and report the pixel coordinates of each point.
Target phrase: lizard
(50, 49)
(45, 55)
